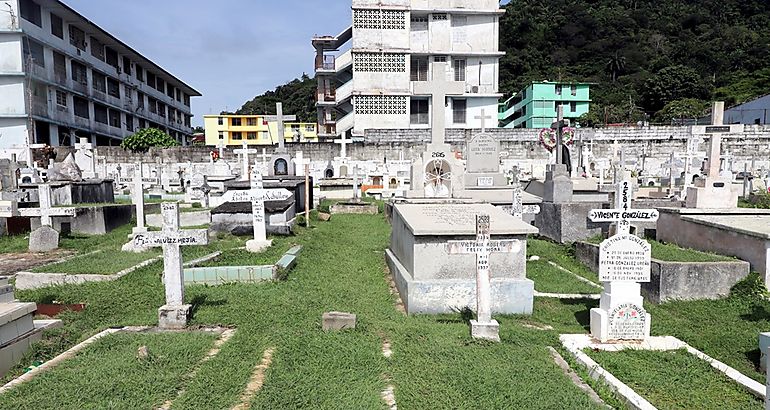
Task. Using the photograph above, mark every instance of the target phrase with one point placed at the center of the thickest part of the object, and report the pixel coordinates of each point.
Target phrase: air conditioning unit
(475, 89)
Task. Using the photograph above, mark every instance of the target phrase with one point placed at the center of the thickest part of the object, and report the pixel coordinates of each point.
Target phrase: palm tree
(616, 65)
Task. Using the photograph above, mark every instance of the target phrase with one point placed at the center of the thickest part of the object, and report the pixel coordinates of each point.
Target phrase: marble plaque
(627, 322)
(625, 258)
(483, 154)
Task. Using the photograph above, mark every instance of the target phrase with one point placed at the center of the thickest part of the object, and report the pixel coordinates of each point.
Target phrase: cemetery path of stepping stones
(279, 358)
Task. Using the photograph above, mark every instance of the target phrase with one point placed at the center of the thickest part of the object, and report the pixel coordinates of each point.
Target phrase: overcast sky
(230, 50)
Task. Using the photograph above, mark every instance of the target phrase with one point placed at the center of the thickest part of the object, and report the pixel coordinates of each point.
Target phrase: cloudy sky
(230, 50)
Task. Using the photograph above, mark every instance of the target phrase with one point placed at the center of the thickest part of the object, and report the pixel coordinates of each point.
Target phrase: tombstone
(624, 262)
(714, 191)
(483, 160)
(198, 190)
(558, 186)
(137, 197)
(439, 174)
(175, 313)
(245, 163)
(281, 161)
(484, 327)
(518, 209)
(45, 238)
(86, 158)
(329, 173)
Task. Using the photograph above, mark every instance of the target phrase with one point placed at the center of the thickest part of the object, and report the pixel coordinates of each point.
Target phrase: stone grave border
(588, 254)
(31, 280)
(220, 275)
(224, 335)
(575, 344)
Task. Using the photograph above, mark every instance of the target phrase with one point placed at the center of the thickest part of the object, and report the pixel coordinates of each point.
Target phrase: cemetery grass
(550, 279)
(435, 363)
(111, 365)
(561, 255)
(672, 253)
(676, 380)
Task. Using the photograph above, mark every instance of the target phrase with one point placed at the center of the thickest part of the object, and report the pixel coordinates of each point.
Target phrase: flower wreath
(215, 156)
(548, 138)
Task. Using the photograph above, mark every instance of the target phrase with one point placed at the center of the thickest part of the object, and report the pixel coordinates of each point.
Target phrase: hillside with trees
(649, 59)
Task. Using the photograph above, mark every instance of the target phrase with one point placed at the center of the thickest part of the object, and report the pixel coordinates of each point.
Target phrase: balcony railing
(325, 62)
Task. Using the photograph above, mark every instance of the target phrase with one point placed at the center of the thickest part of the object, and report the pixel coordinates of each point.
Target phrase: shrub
(144, 139)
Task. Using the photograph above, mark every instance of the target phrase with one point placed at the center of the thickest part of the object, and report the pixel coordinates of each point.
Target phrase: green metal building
(536, 105)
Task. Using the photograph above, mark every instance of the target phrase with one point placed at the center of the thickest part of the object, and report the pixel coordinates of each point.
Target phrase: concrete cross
(138, 197)
(85, 149)
(483, 117)
(343, 146)
(439, 88)
(559, 126)
(46, 210)
(221, 148)
(715, 145)
(623, 215)
(672, 173)
(171, 238)
(244, 152)
(265, 158)
(484, 327)
(518, 209)
(280, 119)
(300, 161)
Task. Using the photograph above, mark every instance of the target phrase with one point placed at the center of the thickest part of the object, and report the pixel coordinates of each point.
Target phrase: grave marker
(45, 238)
(85, 158)
(484, 327)
(174, 314)
(623, 215)
(244, 152)
(8, 209)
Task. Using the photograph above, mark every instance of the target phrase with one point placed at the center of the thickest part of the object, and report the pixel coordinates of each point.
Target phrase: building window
(57, 26)
(129, 123)
(111, 58)
(186, 100)
(459, 67)
(251, 135)
(235, 122)
(170, 90)
(81, 107)
(114, 118)
(573, 107)
(573, 90)
(236, 136)
(221, 121)
(30, 11)
(459, 108)
(61, 98)
(79, 73)
(113, 87)
(459, 34)
(150, 79)
(162, 109)
(419, 23)
(140, 98)
(100, 114)
(439, 59)
(153, 105)
(221, 135)
(558, 89)
(127, 65)
(142, 124)
(139, 73)
(419, 112)
(97, 48)
(419, 70)
(77, 37)
(160, 85)
(99, 82)
(310, 128)
(59, 66)
(34, 51)
(251, 122)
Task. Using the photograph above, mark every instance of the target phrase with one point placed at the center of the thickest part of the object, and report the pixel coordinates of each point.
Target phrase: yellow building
(255, 130)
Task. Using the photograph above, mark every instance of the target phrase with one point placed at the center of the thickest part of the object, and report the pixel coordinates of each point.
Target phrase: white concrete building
(62, 78)
(367, 74)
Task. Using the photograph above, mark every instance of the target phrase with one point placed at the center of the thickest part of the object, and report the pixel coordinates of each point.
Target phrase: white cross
(623, 215)
(8, 209)
(439, 88)
(356, 195)
(221, 148)
(138, 197)
(265, 157)
(300, 161)
(171, 238)
(244, 152)
(483, 117)
(483, 247)
(518, 209)
(343, 146)
(280, 118)
(46, 210)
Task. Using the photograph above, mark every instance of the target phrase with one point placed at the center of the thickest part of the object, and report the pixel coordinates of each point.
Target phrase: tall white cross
(300, 161)
(715, 145)
(483, 117)
(484, 327)
(439, 88)
(356, 195)
(46, 210)
(343, 146)
(518, 209)
(221, 148)
(138, 195)
(171, 238)
(280, 119)
(244, 152)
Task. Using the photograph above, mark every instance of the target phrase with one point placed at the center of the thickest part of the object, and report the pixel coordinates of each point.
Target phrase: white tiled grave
(430, 280)
(17, 329)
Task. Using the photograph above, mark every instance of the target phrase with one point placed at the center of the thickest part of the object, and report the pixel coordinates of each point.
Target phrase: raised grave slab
(360, 208)
(430, 280)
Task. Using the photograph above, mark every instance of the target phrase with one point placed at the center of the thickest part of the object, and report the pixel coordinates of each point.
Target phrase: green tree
(616, 65)
(688, 108)
(674, 83)
(144, 139)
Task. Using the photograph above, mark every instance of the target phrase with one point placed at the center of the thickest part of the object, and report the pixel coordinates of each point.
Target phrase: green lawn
(676, 380)
(108, 374)
(106, 262)
(550, 279)
(561, 255)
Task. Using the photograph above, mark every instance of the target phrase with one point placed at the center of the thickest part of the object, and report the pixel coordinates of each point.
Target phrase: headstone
(484, 327)
(85, 158)
(175, 313)
(483, 152)
(245, 163)
(518, 209)
(260, 241)
(199, 190)
(43, 239)
(338, 321)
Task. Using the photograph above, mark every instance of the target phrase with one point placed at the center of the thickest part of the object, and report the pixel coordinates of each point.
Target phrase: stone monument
(281, 162)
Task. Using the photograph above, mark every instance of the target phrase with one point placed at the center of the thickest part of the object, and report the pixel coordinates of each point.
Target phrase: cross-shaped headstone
(138, 197)
(300, 161)
(484, 327)
(343, 146)
(356, 195)
(439, 88)
(171, 238)
(518, 209)
(46, 210)
(623, 215)
(221, 148)
(265, 158)
(483, 117)
(559, 126)
(280, 119)
(715, 145)
(244, 152)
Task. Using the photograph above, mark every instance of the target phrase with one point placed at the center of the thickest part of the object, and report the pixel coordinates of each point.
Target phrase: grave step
(14, 351)
(6, 294)
(15, 321)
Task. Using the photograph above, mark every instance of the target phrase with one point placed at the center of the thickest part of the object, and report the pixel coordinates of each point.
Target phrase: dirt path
(11, 263)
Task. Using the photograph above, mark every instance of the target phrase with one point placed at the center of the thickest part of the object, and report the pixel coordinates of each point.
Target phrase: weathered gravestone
(85, 158)
(175, 313)
(483, 160)
(484, 327)
(624, 262)
(199, 190)
(518, 209)
(45, 238)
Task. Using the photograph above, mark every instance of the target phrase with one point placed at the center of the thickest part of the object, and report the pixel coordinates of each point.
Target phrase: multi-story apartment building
(233, 130)
(391, 46)
(536, 106)
(62, 77)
